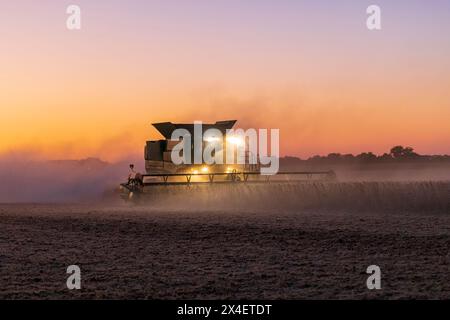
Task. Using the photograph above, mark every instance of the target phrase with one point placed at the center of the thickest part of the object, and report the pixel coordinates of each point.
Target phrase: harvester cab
(158, 154)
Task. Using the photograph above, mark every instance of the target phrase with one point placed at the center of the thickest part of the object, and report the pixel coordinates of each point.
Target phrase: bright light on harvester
(205, 170)
(212, 139)
(195, 171)
(235, 140)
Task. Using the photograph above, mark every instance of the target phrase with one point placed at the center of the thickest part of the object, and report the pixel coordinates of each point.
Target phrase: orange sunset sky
(310, 68)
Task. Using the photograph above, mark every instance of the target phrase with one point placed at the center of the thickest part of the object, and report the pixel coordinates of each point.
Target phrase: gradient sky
(310, 68)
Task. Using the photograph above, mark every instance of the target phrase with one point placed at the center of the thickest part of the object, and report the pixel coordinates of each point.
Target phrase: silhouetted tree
(399, 152)
(348, 157)
(366, 156)
(334, 156)
(386, 157)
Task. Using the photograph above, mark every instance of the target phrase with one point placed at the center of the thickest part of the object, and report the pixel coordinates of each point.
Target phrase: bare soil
(139, 252)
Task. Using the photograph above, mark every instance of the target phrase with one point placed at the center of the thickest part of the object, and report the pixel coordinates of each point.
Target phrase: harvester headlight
(212, 139)
(235, 140)
(205, 170)
(195, 171)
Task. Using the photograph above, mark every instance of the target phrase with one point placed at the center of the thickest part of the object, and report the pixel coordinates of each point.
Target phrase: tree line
(396, 154)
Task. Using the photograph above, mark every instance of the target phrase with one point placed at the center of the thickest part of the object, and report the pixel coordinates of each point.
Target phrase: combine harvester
(161, 172)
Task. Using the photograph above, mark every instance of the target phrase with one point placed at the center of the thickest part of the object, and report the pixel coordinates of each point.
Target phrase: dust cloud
(30, 179)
